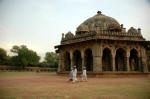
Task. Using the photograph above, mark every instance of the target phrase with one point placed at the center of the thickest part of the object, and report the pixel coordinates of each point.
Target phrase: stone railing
(103, 34)
(110, 33)
(78, 36)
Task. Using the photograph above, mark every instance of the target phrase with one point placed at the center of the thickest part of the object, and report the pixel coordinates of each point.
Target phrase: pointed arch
(120, 60)
(88, 59)
(67, 61)
(106, 60)
(77, 59)
(134, 60)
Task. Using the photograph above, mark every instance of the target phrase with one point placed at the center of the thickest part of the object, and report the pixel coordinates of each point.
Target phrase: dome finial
(99, 12)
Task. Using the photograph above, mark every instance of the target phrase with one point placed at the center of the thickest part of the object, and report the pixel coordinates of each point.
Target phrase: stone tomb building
(101, 44)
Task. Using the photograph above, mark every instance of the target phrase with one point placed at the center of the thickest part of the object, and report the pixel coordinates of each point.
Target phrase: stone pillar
(113, 53)
(113, 64)
(71, 59)
(83, 58)
(97, 57)
(127, 64)
(59, 65)
(144, 60)
(127, 60)
(144, 65)
(97, 63)
(139, 64)
(61, 62)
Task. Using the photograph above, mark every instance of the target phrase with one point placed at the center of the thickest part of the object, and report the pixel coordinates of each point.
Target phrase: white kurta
(74, 75)
(84, 76)
(71, 75)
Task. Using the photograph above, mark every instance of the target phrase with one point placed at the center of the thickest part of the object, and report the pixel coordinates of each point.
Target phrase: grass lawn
(32, 85)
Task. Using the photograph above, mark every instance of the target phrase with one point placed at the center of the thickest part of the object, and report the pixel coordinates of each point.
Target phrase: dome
(69, 35)
(83, 28)
(132, 30)
(98, 23)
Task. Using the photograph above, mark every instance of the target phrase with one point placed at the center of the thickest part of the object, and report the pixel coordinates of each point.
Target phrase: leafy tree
(51, 59)
(43, 64)
(14, 61)
(3, 56)
(24, 56)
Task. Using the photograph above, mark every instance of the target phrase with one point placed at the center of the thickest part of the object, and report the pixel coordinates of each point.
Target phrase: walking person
(71, 75)
(84, 75)
(74, 74)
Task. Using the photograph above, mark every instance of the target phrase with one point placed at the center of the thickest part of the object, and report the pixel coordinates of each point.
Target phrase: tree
(14, 61)
(3, 56)
(43, 64)
(51, 59)
(24, 56)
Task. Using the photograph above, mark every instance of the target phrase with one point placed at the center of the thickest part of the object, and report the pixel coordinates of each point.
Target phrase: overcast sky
(40, 23)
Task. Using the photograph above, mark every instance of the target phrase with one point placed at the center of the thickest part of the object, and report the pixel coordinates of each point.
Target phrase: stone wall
(36, 69)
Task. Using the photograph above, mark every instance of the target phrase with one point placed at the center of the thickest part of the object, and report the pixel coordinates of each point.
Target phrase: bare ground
(32, 85)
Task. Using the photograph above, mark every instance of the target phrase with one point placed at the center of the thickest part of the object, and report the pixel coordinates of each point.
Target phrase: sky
(39, 24)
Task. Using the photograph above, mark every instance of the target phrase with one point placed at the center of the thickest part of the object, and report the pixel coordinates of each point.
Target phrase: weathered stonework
(101, 44)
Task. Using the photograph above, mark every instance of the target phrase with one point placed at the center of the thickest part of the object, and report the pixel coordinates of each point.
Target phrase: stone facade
(101, 44)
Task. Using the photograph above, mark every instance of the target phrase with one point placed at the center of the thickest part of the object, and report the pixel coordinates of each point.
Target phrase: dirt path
(50, 86)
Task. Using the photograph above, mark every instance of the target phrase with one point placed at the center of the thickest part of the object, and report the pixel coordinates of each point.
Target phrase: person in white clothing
(71, 75)
(74, 74)
(84, 75)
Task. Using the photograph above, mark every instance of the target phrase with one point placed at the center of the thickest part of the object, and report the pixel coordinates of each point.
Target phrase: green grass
(32, 85)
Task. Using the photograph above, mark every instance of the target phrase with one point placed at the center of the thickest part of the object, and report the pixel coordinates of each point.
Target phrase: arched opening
(106, 60)
(120, 60)
(67, 61)
(133, 60)
(77, 60)
(89, 60)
